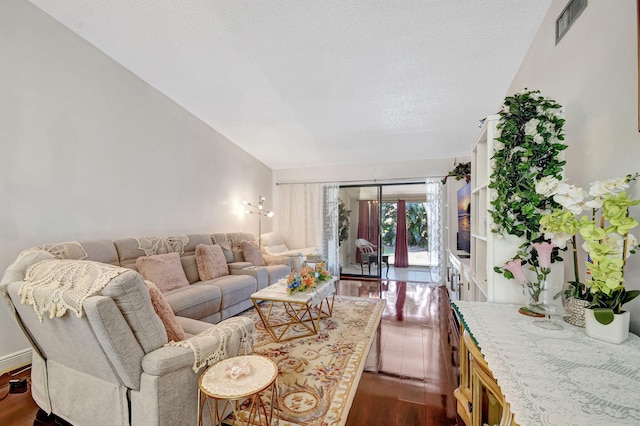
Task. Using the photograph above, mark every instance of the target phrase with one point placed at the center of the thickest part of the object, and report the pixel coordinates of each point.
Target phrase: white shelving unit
(488, 249)
(458, 262)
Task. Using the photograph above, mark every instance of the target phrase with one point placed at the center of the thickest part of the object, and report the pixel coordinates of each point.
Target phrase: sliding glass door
(359, 230)
(383, 231)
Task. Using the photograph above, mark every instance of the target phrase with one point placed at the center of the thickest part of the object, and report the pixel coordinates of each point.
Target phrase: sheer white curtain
(434, 228)
(307, 215)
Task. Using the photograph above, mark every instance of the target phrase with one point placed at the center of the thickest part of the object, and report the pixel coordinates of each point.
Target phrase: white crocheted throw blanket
(231, 337)
(58, 285)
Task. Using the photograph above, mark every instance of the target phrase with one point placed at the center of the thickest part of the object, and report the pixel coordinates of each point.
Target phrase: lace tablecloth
(556, 377)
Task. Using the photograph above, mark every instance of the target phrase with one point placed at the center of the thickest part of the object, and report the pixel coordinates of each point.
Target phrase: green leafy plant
(343, 222)
(607, 240)
(528, 149)
(417, 229)
(460, 171)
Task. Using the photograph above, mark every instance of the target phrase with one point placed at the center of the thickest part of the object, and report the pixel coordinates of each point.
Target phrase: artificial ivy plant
(460, 171)
(528, 148)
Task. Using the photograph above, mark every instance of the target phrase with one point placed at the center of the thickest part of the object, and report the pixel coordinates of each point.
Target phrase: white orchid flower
(570, 197)
(558, 238)
(611, 186)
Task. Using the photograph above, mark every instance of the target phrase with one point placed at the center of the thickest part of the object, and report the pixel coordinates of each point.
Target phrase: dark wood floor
(409, 378)
(410, 375)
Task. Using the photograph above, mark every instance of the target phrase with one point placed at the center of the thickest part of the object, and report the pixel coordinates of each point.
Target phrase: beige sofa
(275, 244)
(110, 364)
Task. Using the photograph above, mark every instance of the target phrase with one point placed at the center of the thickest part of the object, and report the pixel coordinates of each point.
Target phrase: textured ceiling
(309, 83)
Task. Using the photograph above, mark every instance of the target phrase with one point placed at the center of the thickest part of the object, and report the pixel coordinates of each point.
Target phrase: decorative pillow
(211, 262)
(175, 332)
(164, 270)
(252, 253)
(277, 249)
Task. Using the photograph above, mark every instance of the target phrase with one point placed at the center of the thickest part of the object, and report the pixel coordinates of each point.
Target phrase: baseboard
(15, 360)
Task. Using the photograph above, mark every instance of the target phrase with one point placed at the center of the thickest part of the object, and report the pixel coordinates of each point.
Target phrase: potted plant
(527, 149)
(607, 242)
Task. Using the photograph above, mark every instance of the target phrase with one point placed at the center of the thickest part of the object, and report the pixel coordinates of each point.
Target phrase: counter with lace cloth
(555, 377)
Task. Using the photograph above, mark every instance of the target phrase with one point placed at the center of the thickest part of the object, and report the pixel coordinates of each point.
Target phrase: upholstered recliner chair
(275, 244)
(103, 359)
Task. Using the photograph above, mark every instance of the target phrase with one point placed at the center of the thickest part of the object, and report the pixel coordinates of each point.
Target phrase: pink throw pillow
(211, 262)
(175, 332)
(252, 253)
(164, 270)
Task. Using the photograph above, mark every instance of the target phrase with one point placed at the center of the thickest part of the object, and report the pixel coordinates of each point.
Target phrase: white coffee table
(304, 308)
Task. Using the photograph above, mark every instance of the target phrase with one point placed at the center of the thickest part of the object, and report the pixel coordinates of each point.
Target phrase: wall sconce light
(260, 211)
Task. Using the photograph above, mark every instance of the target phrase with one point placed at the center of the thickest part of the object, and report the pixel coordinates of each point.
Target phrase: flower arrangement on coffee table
(308, 278)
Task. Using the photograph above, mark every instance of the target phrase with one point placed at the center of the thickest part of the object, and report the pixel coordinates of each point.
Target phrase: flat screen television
(464, 219)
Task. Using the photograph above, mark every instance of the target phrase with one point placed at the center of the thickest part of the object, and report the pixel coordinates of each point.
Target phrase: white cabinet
(458, 267)
(488, 249)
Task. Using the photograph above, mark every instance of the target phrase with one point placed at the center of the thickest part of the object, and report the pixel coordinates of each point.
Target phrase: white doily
(56, 285)
(162, 245)
(68, 250)
(231, 337)
(556, 377)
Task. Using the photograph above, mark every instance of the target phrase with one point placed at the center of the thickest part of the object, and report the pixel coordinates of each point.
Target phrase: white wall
(89, 150)
(593, 73)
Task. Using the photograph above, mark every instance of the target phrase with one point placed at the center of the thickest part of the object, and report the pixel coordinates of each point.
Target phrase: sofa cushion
(164, 270)
(174, 329)
(211, 262)
(236, 238)
(235, 288)
(272, 239)
(196, 301)
(252, 253)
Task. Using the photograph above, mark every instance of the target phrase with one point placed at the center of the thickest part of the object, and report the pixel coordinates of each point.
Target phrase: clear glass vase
(546, 299)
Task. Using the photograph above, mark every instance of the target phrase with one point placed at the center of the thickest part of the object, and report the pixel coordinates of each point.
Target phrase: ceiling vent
(568, 17)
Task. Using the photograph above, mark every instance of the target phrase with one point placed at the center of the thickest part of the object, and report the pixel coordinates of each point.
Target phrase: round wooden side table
(227, 393)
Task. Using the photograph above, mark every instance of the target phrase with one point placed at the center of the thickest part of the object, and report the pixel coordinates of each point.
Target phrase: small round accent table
(224, 393)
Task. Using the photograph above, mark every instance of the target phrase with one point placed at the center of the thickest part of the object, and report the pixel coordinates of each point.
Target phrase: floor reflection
(410, 362)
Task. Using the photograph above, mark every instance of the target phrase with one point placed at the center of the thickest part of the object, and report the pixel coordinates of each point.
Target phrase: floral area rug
(318, 375)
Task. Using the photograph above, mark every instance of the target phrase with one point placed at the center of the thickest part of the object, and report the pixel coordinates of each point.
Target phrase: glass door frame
(379, 199)
(378, 271)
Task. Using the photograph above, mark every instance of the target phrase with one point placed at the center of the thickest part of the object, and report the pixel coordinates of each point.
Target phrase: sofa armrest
(290, 253)
(192, 326)
(234, 266)
(167, 359)
(229, 338)
(258, 272)
(288, 260)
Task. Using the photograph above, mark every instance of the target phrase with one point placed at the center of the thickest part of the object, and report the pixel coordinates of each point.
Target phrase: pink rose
(515, 267)
(544, 253)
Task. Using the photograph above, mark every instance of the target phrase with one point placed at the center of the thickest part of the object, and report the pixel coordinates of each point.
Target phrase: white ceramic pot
(616, 332)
